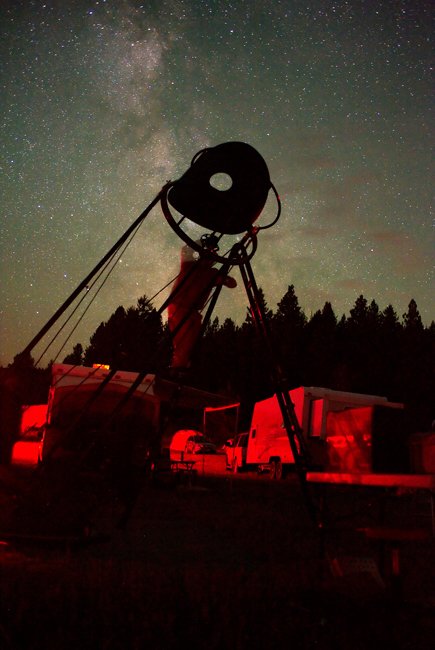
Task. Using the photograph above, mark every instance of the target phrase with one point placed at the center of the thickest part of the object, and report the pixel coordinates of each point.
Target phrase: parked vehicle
(268, 446)
(71, 394)
(179, 440)
(199, 444)
(235, 452)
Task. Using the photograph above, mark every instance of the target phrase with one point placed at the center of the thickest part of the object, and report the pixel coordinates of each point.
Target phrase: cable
(96, 293)
(86, 281)
(90, 401)
(117, 252)
(74, 311)
(279, 210)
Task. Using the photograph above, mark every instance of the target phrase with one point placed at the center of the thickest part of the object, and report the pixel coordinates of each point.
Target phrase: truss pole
(291, 423)
(89, 277)
(82, 413)
(223, 272)
(275, 367)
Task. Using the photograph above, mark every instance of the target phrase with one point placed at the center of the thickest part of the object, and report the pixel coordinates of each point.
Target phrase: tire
(272, 473)
(279, 471)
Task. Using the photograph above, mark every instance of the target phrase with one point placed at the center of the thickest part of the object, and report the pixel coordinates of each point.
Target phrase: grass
(229, 563)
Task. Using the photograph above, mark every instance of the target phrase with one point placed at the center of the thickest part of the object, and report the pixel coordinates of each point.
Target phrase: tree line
(371, 351)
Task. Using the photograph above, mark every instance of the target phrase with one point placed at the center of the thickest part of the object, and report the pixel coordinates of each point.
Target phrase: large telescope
(231, 211)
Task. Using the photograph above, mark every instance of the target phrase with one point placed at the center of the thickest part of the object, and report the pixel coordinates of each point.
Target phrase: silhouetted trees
(416, 367)
(289, 332)
(322, 357)
(370, 351)
(76, 357)
(131, 339)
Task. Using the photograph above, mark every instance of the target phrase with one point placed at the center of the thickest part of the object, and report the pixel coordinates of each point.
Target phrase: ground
(230, 561)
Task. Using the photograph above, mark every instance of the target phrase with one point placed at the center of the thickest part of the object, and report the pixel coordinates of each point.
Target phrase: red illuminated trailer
(72, 400)
(268, 444)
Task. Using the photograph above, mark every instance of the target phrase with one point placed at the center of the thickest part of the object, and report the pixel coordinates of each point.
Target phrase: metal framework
(239, 207)
(239, 257)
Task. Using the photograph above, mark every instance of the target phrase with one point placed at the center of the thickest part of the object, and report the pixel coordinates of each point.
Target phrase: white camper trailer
(268, 444)
(73, 388)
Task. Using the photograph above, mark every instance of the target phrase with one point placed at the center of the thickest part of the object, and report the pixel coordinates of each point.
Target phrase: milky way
(103, 102)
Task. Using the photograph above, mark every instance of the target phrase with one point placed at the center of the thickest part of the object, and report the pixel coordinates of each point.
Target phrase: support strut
(294, 432)
(89, 277)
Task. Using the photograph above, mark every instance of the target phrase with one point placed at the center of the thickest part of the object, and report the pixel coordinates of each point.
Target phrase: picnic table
(418, 481)
(385, 535)
(183, 469)
(182, 465)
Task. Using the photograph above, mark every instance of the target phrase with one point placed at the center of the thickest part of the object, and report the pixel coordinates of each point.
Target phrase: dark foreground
(231, 562)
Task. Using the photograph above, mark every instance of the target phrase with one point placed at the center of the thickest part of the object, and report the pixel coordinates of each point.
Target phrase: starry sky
(103, 102)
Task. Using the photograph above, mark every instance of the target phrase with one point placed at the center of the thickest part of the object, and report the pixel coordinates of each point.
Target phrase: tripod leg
(291, 423)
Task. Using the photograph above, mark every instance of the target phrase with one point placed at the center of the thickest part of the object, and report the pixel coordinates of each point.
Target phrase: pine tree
(268, 313)
(132, 340)
(76, 356)
(288, 329)
(361, 346)
(414, 368)
(289, 313)
(359, 313)
(389, 320)
(412, 319)
(321, 359)
(389, 354)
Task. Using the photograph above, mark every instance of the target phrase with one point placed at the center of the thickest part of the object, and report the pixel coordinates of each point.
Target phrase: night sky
(103, 102)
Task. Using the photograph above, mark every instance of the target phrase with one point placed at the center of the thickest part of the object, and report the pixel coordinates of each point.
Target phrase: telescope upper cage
(231, 211)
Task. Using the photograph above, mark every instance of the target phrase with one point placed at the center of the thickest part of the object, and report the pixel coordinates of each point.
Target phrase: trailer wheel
(272, 472)
(279, 471)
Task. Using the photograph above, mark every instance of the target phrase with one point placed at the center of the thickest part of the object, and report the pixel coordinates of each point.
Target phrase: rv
(72, 394)
(268, 446)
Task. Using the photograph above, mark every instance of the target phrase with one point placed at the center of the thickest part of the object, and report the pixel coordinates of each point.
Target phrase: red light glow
(26, 453)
